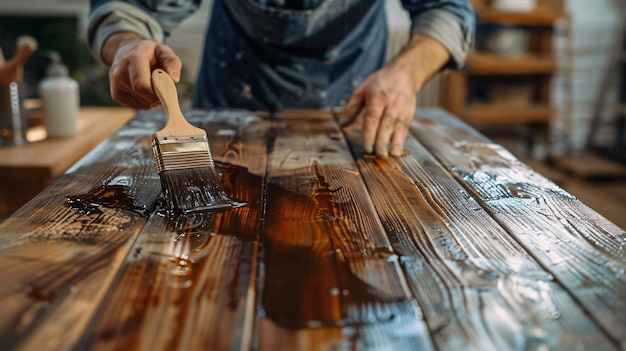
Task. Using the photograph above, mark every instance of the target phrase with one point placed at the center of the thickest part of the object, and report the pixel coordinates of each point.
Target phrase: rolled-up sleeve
(153, 20)
(451, 22)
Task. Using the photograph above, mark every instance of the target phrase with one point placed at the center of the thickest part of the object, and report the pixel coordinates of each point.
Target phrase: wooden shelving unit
(542, 16)
(495, 113)
(483, 63)
(471, 93)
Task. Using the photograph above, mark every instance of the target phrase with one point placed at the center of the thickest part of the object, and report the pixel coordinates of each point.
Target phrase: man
(273, 54)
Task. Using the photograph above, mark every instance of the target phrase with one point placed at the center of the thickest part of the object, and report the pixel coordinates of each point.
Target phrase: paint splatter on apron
(272, 54)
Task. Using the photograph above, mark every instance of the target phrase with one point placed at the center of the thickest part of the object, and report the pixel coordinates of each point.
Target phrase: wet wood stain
(111, 196)
(61, 261)
(315, 251)
(454, 245)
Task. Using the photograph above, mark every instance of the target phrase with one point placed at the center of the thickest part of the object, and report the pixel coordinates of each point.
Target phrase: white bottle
(61, 99)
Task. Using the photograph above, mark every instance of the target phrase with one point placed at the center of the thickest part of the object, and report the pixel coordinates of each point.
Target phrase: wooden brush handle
(26, 46)
(13, 70)
(165, 89)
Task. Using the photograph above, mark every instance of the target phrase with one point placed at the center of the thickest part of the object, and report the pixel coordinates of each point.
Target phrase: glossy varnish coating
(456, 245)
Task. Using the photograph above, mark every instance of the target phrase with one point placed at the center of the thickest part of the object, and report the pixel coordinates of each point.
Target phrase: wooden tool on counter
(189, 180)
(13, 69)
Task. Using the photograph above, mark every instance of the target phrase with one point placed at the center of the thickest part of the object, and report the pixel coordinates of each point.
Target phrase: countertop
(27, 169)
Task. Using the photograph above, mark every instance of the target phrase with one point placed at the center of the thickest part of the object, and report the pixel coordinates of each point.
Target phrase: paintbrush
(189, 180)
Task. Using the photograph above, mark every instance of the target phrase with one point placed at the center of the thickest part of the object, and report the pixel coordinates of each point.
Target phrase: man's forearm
(421, 58)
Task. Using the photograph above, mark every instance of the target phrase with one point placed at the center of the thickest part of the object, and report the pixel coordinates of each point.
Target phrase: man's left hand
(388, 98)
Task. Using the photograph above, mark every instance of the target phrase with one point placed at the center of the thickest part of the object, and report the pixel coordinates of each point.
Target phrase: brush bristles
(194, 189)
(189, 180)
(173, 153)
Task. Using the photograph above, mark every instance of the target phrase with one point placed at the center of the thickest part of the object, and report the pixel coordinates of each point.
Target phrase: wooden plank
(554, 5)
(94, 125)
(482, 63)
(57, 260)
(406, 331)
(479, 4)
(582, 250)
(541, 16)
(330, 279)
(549, 5)
(503, 113)
(589, 165)
(476, 285)
(438, 257)
(27, 169)
(607, 198)
(190, 281)
(19, 187)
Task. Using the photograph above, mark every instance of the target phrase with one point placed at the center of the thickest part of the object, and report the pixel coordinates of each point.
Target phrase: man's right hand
(132, 60)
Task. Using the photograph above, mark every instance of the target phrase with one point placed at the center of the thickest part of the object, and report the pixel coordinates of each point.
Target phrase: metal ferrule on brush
(181, 152)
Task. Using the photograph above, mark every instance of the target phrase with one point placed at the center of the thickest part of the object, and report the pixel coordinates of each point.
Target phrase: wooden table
(455, 246)
(25, 170)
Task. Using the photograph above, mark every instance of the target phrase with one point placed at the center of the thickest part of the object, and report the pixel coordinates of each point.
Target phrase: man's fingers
(132, 100)
(168, 61)
(122, 90)
(352, 109)
(386, 128)
(374, 110)
(401, 130)
(139, 76)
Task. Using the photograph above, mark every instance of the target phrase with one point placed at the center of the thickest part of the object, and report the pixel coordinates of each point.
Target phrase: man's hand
(132, 60)
(387, 99)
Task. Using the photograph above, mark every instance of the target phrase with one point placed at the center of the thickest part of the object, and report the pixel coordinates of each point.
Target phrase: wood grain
(456, 245)
(27, 169)
(327, 261)
(475, 284)
(503, 113)
(94, 125)
(541, 16)
(58, 261)
(192, 279)
(583, 251)
(484, 63)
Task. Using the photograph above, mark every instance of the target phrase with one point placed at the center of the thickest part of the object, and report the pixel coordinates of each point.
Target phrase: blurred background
(545, 80)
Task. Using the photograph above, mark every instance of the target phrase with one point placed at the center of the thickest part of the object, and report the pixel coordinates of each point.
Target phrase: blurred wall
(594, 29)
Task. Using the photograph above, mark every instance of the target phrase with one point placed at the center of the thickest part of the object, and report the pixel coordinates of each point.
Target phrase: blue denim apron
(266, 57)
